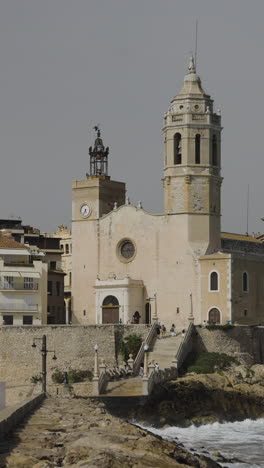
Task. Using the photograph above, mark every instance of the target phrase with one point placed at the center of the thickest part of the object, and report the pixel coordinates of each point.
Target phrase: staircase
(164, 351)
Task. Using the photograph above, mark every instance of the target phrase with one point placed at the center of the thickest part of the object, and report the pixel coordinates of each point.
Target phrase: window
(245, 282)
(50, 288)
(48, 309)
(8, 319)
(71, 248)
(177, 149)
(214, 151)
(84, 312)
(70, 278)
(28, 283)
(53, 265)
(214, 281)
(57, 288)
(245, 312)
(197, 149)
(8, 282)
(67, 248)
(27, 319)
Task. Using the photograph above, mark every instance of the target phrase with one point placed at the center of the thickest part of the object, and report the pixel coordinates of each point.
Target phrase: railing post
(130, 362)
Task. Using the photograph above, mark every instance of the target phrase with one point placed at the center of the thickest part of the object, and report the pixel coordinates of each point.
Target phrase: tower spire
(98, 156)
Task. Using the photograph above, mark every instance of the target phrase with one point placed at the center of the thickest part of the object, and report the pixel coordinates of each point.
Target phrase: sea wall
(10, 417)
(73, 346)
(244, 342)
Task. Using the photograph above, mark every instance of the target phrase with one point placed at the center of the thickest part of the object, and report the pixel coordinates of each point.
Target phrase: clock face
(85, 210)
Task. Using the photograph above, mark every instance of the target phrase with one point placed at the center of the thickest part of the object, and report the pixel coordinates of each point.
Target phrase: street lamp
(44, 351)
(96, 373)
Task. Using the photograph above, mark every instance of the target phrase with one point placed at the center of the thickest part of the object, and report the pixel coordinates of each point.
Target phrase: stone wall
(242, 342)
(12, 416)
(73, 345)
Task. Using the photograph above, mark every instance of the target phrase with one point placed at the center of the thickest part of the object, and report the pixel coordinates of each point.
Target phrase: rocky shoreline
(233, 395)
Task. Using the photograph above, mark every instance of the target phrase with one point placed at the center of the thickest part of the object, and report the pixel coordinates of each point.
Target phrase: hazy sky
(66, 65)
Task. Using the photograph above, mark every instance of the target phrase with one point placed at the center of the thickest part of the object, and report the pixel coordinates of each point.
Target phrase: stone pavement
(82, 433)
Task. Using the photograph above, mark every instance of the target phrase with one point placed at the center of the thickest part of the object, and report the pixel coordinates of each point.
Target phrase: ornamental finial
(191, 66)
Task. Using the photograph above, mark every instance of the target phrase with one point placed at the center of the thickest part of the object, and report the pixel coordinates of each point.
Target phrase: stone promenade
(81, 433)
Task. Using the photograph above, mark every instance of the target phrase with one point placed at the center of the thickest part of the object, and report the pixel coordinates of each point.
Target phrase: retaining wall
(73, 345)
(244, 342)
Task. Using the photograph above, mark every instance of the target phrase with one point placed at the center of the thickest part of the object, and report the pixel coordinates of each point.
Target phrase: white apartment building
(23, 284)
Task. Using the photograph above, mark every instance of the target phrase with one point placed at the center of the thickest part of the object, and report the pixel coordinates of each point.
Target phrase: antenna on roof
(247, 208)
(196, 40)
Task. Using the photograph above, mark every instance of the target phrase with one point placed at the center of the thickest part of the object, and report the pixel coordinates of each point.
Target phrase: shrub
(131, 345)
(74, 375)
(58, 376)
(79, 375)
(208, 363)
(227, 326)
(36, 378)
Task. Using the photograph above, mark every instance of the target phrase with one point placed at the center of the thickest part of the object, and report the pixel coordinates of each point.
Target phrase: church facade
(129, 265)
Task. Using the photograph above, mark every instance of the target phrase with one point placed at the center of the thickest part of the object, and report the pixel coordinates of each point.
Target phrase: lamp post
(146, 347)
(44, 351)
(96, 373)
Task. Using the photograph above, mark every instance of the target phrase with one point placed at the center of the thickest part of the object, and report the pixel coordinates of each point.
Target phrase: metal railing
(19, 286)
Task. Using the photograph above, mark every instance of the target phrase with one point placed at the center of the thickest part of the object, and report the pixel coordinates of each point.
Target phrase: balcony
(19, 286)
(19, 307)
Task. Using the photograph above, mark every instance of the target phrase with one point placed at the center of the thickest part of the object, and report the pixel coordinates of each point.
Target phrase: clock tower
(96, 195)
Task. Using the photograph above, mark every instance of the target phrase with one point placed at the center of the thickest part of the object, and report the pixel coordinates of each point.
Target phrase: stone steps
(164, 351)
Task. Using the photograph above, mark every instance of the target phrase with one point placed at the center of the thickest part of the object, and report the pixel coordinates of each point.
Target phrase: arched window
(214, 316)
(214, 281)
(214, 151)
(197, 149)
(245, 282)
(177, 149)
(110, 301)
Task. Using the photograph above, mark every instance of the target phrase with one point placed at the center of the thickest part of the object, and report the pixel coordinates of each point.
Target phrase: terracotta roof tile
(10, 243)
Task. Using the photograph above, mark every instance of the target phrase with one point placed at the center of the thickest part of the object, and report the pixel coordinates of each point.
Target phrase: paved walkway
(125, 387)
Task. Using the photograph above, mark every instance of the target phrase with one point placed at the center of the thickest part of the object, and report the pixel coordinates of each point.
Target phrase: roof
(240, 237)
(10, 243)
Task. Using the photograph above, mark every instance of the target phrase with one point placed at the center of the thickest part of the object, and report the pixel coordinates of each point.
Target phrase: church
(130, 266)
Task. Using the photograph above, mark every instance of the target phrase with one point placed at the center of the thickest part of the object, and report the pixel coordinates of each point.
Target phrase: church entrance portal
(110, 310)
(214, 316)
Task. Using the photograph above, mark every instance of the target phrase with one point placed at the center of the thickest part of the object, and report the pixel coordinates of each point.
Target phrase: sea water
(242, 440)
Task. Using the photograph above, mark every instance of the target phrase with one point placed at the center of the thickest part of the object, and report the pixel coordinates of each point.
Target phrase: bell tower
(192, 162)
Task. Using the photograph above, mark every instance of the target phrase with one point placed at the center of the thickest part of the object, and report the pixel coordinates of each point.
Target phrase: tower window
(214, 281)
(214, 151)
(245, 282)
(177, 149)
(197, 149)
